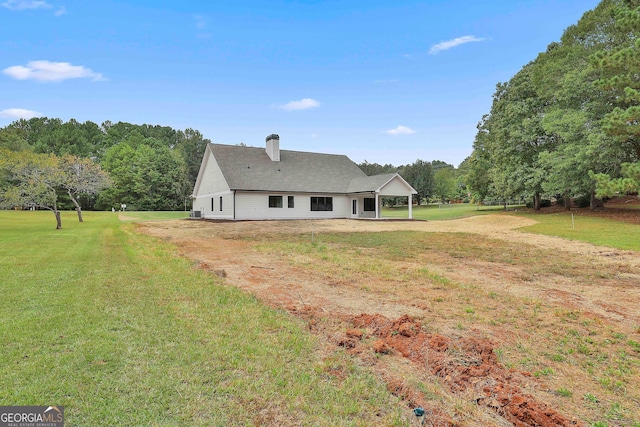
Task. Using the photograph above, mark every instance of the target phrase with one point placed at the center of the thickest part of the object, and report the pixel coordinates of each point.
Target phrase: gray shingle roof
(250, 168)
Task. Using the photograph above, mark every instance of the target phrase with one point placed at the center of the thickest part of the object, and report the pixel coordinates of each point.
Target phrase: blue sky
(382, 81)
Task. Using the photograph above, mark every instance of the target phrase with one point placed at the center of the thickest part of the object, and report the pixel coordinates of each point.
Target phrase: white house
(241, 183)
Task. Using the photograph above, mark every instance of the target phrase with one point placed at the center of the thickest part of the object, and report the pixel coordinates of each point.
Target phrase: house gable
(210, 179)
(396, 186)
(390, 184)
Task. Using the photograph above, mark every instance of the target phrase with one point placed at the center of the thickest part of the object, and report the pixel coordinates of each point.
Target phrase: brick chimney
(273, 147)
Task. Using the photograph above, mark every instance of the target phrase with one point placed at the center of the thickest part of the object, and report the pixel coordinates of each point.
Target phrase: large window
(290, 202)
(275, 201)
(369, 204)
(322, 203)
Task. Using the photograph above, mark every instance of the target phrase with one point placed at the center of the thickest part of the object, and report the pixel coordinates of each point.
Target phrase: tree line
(148, 167)
(145, 167)
(435, 181)
(567, 125)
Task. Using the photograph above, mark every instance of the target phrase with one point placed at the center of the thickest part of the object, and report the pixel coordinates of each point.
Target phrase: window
(369, 205)
(220, 203)
(275, 201)
(322, 203)
(290, 202)
(212, 204)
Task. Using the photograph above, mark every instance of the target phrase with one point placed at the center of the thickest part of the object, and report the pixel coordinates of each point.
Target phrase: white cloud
(19, 113)
(446, 45)
(400, 130)
(46, 71)
(303, 104)
(26, 4)
(61, 11)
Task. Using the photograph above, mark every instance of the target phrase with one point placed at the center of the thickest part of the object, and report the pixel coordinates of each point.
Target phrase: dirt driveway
(481, 285)
(223, 248)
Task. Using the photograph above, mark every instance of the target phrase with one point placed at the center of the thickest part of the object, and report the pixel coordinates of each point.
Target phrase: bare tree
(82, 176)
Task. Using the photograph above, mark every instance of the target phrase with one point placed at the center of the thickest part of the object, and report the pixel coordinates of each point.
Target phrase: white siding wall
(213, 186)
(253, 205)
(204, 204)
(363, 213)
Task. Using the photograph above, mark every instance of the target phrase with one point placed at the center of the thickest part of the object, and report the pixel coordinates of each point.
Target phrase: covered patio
(368, 204)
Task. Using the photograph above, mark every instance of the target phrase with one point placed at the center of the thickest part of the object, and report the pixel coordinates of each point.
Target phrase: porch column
(377, 206)
(410, 207)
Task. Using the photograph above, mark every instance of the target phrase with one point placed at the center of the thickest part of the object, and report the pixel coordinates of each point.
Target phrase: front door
(354, 208)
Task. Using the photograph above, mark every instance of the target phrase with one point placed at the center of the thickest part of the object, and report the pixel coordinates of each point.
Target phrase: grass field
(116, 328)
(591, 229)
(596, 230)
(152, 216)
(441, 212)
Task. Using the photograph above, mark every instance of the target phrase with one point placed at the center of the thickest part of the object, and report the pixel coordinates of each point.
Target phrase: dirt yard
(471, 319)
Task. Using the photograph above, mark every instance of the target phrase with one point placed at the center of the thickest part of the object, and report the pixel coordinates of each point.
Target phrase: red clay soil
(462, 364)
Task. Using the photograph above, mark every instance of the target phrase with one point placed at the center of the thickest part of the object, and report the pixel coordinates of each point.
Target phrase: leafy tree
(436, 165)
(445, 184)
(420, 176)
(180, 149)
(146, 175)
(461, 178)
(120, 163)
(618, 64)
(31, 180)
(518, 137)
(192, 145)
(13, 140)
(376, 169)
(478, 177)
(46, 135)
(628, 183)
(575, 106)
(569, 115)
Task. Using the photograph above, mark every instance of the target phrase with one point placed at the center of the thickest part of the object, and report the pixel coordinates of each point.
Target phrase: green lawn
(155, 215)
(441, 212)
(599, 231)
(116, 328)
(591, 229)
